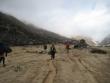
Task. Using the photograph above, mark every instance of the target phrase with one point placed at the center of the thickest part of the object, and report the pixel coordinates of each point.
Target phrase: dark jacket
(52, 50)
(4, 49)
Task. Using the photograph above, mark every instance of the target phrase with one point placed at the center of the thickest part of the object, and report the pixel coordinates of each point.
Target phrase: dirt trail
(51, 74)
(79, 66)
(84, 71)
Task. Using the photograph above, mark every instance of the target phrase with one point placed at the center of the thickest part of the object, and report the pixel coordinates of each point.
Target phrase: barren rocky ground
(27, 65)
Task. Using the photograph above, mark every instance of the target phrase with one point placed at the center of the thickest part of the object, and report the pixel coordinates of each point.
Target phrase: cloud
(66, 17)
(93, 23)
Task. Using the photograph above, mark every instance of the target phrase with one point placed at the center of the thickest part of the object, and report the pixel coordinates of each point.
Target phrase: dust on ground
(27, 65)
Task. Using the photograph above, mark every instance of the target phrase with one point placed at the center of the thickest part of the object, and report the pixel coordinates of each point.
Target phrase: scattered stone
(99, 51)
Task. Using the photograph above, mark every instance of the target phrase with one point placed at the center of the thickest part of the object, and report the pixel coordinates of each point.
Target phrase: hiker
(67, 47)
(52, 52)
(3, 52)
(45, 47)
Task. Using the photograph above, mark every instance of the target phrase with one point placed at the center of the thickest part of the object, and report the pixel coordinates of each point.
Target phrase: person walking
(52, 51)
(4, 50)
(45, 47)
(67, 47)
(3, 53)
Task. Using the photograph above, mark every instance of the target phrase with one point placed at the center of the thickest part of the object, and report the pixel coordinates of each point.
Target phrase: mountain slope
(106, 41)
(87, 39)
(15, 32)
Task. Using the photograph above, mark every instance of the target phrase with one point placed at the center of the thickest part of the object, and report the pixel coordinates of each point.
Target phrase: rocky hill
(87, 39)
(106, 41)
(15, 32)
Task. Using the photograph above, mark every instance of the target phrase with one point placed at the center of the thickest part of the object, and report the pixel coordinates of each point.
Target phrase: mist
(66, 17)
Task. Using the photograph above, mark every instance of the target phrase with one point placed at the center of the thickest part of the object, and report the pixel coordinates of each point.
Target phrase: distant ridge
(87, 39)
(106, 41)
(15, 32)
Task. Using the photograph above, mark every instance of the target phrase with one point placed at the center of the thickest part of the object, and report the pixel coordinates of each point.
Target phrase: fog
(69, 18)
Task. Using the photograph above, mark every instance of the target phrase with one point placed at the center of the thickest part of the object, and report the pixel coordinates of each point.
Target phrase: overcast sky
(66, 17)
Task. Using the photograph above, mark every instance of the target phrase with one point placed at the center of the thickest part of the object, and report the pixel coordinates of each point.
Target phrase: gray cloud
(66, 17)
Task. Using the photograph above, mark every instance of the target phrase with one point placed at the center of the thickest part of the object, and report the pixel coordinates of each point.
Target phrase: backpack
(52, 50)
(4, 48)
(67, 46)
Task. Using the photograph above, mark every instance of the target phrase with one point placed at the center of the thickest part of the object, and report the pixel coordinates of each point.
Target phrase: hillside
(15, 32)
(106, 41)
(88, 40)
